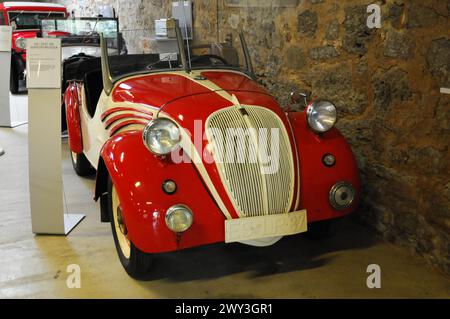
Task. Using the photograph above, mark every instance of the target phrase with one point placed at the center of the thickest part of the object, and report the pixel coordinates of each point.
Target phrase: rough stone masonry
(385, 83)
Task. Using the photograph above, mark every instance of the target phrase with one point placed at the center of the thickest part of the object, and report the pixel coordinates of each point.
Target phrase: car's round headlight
(161, 136)
(322, 116)
(179, 218)
(21, 43)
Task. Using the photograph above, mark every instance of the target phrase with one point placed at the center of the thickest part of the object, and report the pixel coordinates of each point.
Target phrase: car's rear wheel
(81, 165)
(136, 263)
(323, 229)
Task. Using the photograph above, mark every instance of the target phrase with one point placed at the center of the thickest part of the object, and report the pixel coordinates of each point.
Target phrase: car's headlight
(322, 116)
(161, 136)
(21, 43)
(179, 218)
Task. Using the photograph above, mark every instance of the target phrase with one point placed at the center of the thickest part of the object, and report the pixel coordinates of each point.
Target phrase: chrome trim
(106, 75)
(333, 193)
(251, 192)
(182, 49)
(174, 208)
(147, 128)
(308, 114)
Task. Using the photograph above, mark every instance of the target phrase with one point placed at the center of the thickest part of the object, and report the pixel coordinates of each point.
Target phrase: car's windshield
(21, 20)
(165, 48)
(82, 35)
(81, 31)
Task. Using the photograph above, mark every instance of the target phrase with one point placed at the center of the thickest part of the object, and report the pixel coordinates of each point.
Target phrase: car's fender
(316, 178)
(138, 175)
(72, 104)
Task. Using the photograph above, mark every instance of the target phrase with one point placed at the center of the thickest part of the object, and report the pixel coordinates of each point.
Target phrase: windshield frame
(186, 62)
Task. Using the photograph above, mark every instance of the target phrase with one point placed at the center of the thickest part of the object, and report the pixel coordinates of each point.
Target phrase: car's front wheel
(81, 165)
(136, 263)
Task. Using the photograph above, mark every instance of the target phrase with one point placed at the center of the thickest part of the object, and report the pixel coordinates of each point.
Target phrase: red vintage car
(24, 18)
(189, 150)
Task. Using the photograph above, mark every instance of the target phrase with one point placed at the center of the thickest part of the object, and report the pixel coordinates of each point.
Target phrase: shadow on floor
(291, 253)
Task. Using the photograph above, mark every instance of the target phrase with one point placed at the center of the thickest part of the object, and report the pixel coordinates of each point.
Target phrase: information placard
(44, 63)
(5, 38)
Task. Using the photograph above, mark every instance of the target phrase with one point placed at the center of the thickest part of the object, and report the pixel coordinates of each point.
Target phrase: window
(30, 20)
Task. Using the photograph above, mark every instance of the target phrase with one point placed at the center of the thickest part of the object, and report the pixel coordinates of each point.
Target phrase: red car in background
(24, 18)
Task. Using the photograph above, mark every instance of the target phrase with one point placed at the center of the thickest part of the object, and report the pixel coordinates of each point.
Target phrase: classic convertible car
(189, 150)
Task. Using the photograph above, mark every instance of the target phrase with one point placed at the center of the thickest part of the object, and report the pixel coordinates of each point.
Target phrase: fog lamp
(179, 218)
(342, 195)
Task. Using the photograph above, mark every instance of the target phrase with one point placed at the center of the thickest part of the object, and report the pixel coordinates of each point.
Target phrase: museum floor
(35, 266)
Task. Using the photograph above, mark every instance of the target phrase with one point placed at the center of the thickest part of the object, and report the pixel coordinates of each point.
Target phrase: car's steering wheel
(210, 57)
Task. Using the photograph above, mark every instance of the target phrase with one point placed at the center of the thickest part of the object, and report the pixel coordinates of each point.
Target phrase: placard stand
(44, 139)
(13, 108)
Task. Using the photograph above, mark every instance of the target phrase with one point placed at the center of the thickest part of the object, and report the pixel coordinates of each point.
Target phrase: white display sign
(44, 63)
(5, 38)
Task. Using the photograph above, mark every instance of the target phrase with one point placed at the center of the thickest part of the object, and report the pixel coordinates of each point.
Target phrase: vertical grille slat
(252, 192)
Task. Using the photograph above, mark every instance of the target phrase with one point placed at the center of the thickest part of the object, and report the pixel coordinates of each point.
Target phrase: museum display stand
(44, 139)
(13, 107)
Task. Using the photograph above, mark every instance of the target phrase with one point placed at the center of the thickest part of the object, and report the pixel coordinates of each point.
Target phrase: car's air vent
(254, 187)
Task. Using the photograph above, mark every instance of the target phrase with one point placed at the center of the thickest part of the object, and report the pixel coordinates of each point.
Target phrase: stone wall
(384, 81)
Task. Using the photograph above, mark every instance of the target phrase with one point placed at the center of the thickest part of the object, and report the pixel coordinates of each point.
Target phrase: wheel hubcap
(119, 224)
(74, 156)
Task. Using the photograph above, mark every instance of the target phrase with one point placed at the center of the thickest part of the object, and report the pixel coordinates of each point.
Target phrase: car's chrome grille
(252, 192)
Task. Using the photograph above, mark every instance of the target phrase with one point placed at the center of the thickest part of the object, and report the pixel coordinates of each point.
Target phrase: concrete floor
(35, 266)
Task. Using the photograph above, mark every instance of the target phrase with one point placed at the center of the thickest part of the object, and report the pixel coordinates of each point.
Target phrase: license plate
(250, 228)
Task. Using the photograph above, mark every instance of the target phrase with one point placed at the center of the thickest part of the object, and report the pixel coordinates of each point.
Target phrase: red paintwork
(163, 88)
(138, 174)
(230, 81)
(184, 94)
(116, 118)
(316, 178)
(73, 118)
(141, 195)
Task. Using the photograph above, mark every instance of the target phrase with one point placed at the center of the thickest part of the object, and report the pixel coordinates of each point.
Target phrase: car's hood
(159, 89)
(192, 101)
(186, 98)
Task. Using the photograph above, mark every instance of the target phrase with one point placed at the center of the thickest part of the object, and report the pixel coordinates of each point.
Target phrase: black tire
(14, 79)
(323, 229)
(138, 264)
(81, 165)
(63, 118)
